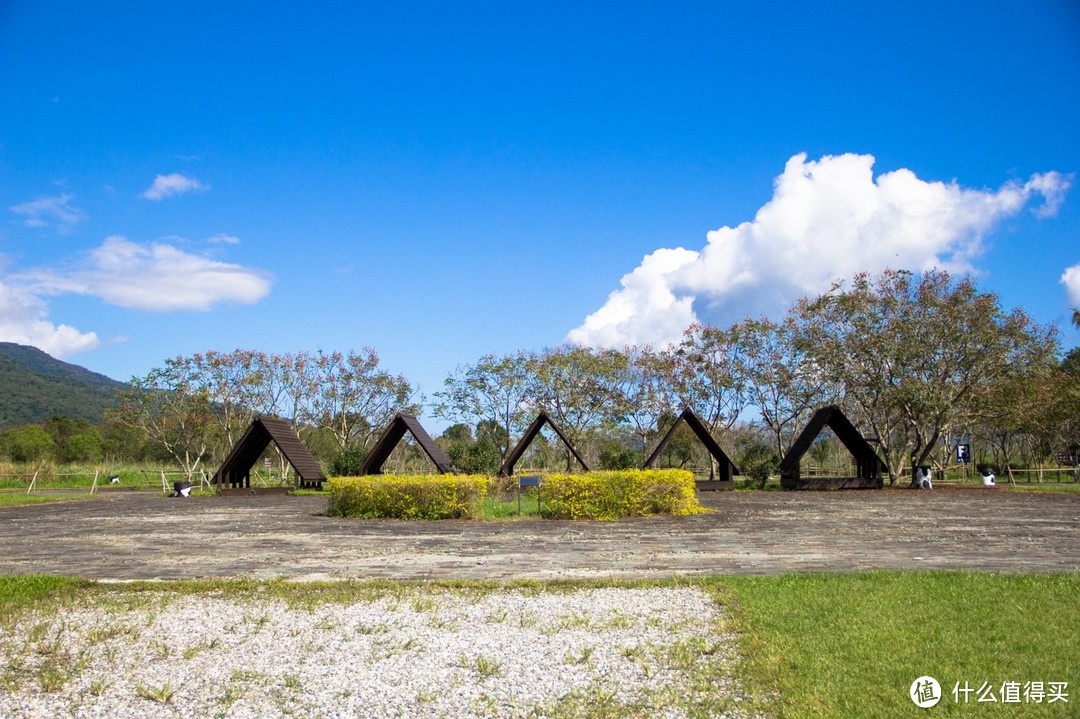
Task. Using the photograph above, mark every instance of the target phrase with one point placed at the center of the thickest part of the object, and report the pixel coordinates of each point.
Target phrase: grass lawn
(1073, 488)
(496, 507)
(11, 498)
(850, 645)
(823, 645)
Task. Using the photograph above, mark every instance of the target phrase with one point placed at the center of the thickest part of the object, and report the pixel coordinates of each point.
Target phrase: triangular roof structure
(507, 468)
(727, 468)
(236, 469)
(869, 465)
(400, 424)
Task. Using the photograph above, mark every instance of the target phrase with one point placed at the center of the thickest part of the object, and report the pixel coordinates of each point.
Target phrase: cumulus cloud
(24, 320)
(155, 277)
(1071, 279)
(827, 219)
(50, 212)
(172, 184)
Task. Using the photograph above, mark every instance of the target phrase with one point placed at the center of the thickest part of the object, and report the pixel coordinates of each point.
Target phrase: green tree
(494, 389)
(121, 441)
(780, 377)
(1070, 364)
(705, 373)
(354, 398)
(469, 454)
(758, 461)
(169, 408)
(348, 461)
(30, 443)
(916, 354)
(77, 440)
(616, 452)
(232, 382)
(680, 449)
(643, 397)
(579, 388)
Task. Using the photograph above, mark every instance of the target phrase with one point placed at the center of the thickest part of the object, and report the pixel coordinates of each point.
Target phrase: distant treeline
(920, 362)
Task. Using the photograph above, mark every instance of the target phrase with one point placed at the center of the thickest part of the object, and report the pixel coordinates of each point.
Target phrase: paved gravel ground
(414, 654)
(127, 536)
(430, 652)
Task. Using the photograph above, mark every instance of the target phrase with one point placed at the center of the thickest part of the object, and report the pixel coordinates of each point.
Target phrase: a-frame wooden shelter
(507, 468)
(393, 434)
(869, 466)
(725, 478)
(235, 471)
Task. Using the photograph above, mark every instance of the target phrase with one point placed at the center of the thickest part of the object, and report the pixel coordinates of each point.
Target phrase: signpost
(529, 480)
(963, 456)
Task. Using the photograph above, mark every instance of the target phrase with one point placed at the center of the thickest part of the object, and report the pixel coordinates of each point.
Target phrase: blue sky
(443, 180)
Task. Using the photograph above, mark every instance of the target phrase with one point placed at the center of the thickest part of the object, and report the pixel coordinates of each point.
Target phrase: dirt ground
(129, 536)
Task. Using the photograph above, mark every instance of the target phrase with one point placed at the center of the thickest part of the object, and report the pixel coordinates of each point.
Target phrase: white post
(164, 483)
(93, 487)
(32, 481)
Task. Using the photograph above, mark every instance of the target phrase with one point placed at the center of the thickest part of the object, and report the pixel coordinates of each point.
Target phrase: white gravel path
(421, 652)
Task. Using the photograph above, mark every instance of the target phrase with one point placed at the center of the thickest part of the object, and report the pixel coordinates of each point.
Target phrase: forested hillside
(35, 387)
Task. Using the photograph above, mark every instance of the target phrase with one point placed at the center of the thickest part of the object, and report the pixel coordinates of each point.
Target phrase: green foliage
(1070, 363)
(28, 444)
(758, 462)
(434, 496)
(121, 441)
(615, 454)
(77, 440)
(491, 392)
(916, 354)
(578, 388)
(473, 456)
(679, 451)
(347, 462)
(615, 494)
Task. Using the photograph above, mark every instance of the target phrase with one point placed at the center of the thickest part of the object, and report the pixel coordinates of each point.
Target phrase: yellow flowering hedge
(620, 493)
(429, 496)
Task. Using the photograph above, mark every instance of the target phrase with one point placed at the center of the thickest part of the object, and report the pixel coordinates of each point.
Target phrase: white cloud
(1071, 279)
(155, 277)
(55, 212)
(173, 184)
(24, 320)
(223, 239)
(1052, 186)
(646, 303)
(827, 219)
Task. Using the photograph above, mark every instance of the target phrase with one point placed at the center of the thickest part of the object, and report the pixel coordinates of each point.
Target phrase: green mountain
(35, 387)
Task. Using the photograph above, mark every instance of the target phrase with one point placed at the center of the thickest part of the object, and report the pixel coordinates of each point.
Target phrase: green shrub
(620, 493)
(348, 461)
(433, 496)
(757, 462)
